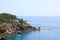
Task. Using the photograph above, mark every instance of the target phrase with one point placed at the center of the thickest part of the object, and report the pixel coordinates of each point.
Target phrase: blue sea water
(37, 35)
(32, 35)
(52, 22)
(43, 21)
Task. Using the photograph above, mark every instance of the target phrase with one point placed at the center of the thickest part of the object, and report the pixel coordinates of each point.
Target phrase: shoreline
(10, 24)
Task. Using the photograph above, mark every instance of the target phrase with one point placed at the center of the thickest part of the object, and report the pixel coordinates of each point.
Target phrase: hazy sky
(31, 7)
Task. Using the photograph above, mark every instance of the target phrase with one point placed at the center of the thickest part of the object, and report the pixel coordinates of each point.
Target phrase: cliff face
(16, 27)
(9, 28)
(26, 26)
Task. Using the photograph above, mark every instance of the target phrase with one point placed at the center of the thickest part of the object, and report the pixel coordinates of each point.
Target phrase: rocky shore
(8, 28)
(10, 24)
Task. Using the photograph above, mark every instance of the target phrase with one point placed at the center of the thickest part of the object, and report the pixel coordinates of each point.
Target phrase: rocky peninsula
(10, 24)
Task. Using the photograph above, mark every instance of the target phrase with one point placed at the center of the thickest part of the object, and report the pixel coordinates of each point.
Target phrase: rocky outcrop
(14, 28)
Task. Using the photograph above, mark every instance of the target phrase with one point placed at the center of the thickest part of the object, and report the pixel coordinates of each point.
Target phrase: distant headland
(10, 24)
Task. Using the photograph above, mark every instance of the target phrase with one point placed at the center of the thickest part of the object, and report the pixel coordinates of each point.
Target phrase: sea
(50, 28)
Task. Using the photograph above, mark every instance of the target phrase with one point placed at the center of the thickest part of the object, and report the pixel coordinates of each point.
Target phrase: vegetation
(6, 17)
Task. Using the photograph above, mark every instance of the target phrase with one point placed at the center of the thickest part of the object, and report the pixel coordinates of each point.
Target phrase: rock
(39, 28)
(2, 39)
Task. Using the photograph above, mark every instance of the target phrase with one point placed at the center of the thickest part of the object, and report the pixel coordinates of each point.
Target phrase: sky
(31, 7)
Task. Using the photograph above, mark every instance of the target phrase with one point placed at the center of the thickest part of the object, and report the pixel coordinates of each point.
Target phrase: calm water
(53, 34)
(43, 22)
(33, 35)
